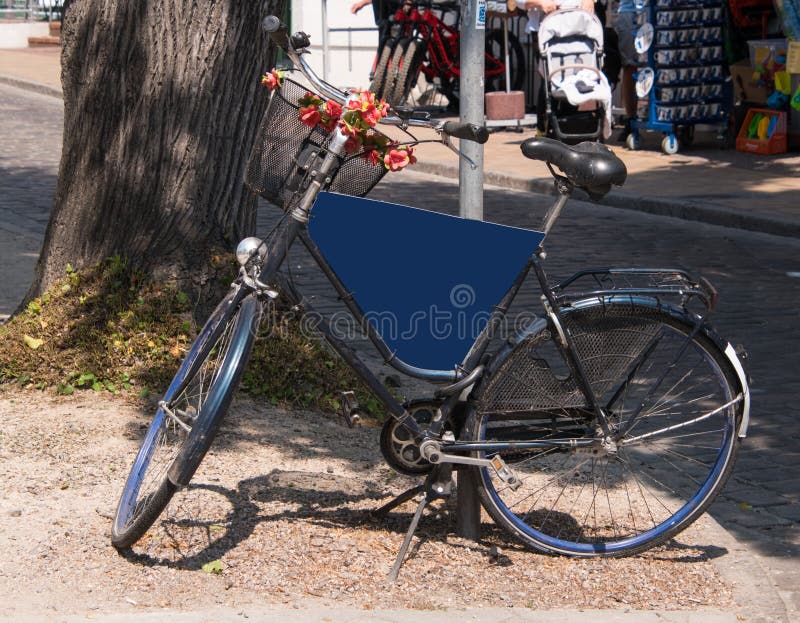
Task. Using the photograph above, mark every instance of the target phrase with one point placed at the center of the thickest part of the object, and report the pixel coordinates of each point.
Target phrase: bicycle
(425, 41)
(604, 427)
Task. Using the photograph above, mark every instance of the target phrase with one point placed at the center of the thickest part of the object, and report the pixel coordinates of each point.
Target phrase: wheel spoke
(668, 391)
(148, 489)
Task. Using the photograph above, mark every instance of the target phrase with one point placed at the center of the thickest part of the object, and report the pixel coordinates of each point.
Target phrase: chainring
(398, 447)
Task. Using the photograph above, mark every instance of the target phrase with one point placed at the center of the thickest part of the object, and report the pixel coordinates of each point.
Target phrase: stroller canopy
(570, 23)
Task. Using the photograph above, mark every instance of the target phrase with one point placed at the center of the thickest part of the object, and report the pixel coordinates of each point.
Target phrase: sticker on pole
(480, 15)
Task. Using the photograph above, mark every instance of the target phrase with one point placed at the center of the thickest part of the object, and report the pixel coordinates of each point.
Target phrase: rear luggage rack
(660, 283)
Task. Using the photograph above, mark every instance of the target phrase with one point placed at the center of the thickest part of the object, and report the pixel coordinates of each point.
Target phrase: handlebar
(294, 47)
(466, 131)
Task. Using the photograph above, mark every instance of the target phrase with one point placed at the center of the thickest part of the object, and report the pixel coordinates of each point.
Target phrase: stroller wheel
(632, 141)
(670, 145)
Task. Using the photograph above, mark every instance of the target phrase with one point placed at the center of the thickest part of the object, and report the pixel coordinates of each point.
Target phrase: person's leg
(624, 24)
(628, 91)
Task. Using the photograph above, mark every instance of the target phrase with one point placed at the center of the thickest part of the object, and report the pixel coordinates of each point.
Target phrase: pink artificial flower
(310, 116)
(396, 159)
(271, 80)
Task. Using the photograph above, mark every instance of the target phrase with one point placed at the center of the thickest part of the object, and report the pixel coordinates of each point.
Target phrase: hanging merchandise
(681, 73)
(644, 38)
(795, 103)
(789, 14)
(644, 82)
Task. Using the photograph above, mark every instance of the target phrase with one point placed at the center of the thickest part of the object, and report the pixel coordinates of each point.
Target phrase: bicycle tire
(393, 70)
(169, 454)
(659, 480)
(407, 67)
(378, 84)
(516, 54)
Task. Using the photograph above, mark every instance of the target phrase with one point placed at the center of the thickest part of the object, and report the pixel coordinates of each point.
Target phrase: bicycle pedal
(350, 410)
(505, 473)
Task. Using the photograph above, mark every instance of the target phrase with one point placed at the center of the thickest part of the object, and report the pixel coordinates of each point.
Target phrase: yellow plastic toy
(763, 127)
(783, 82)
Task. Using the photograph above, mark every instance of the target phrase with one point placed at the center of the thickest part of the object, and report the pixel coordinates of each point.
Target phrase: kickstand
(437, 485)
(400, 499)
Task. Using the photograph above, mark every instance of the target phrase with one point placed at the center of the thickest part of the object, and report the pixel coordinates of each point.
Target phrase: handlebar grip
(277, 30)
(466, 131)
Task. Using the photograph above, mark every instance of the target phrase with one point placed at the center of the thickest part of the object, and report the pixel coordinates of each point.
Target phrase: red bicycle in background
(424, 40)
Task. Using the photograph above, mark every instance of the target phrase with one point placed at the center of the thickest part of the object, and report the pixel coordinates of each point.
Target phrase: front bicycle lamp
(250, 249)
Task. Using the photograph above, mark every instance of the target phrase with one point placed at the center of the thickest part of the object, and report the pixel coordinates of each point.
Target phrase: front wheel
(407, 63)
(673, 405)
(188, 417)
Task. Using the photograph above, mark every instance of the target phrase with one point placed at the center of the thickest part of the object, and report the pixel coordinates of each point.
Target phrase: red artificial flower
(271, 80)
(310, 116)
(333, 109)
(371, 115)
(353, 144)
(348, 125)
(372, 156)
(309, 99)
(362, 113)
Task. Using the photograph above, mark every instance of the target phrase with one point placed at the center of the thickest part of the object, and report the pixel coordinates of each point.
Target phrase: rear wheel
(671, 400)
(188, 417)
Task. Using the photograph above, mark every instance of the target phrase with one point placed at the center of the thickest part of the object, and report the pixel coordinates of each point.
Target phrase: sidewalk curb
(757, 599)
(686, 210)
(30, 85)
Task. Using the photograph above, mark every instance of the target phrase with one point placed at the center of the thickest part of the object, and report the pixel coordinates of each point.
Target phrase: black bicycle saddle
(591, 166)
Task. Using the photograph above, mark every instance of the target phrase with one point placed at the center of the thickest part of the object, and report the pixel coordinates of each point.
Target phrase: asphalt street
(757, 275)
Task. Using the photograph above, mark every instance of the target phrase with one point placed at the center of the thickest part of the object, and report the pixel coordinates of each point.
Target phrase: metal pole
(468, 511)
(471, 93)
(507, 59)
(325, 40)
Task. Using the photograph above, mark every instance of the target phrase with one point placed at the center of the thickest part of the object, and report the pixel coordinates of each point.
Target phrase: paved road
(30, 147)
(758, 277)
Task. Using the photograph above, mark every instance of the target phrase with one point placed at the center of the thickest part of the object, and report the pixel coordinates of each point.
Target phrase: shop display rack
(680, 82)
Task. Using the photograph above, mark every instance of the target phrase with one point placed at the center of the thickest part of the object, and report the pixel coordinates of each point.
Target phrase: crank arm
(431, 452)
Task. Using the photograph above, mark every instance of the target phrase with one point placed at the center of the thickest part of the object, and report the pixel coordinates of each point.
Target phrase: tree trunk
(162, 100)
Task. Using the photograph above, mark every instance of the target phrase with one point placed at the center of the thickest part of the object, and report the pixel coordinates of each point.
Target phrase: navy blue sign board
(426, 281)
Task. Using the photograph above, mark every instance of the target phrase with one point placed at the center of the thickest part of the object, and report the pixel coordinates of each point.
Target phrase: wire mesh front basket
(276, 170)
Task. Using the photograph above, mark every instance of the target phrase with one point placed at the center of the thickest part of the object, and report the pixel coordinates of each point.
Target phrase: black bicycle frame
(453, 378)
(452, 381)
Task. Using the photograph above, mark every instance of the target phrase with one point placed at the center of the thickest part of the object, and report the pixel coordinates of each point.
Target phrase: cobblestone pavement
(757, 276)
(30, 148)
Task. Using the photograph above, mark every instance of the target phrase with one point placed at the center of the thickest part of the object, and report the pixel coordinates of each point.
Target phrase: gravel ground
(280, 507)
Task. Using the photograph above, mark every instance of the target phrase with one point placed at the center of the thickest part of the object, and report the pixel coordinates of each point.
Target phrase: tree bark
(162, 99)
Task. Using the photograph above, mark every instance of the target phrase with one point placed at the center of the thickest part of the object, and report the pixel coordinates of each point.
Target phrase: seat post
(564, 187)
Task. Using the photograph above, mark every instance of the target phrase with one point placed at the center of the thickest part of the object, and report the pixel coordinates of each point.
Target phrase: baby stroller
(571, 52)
